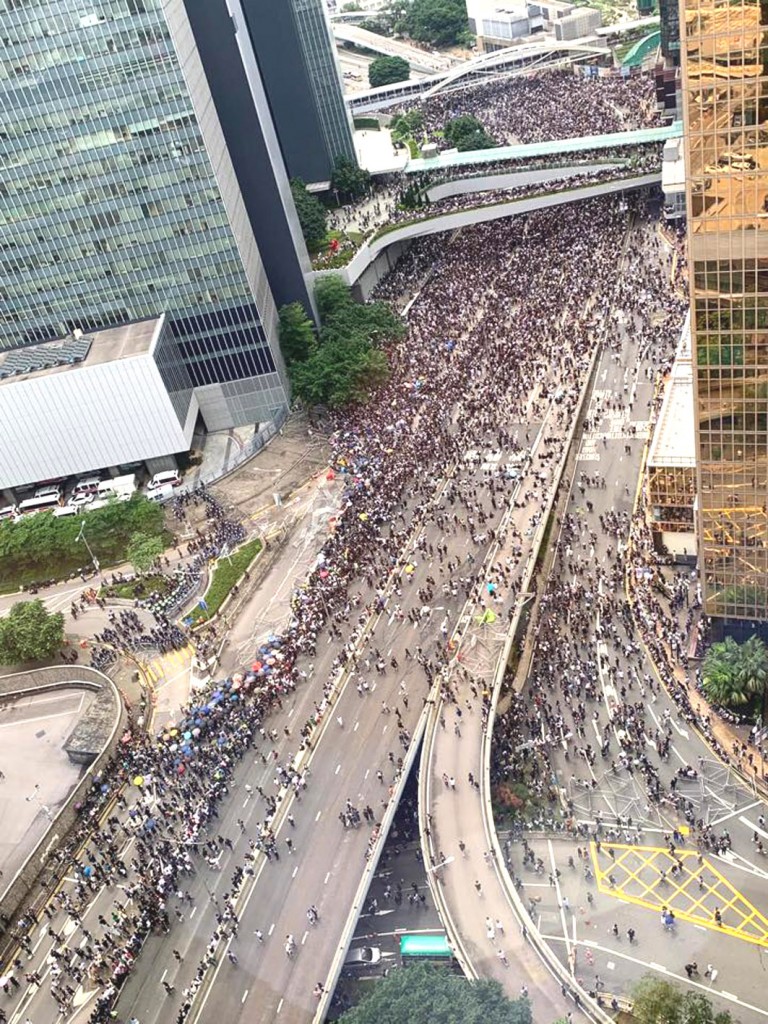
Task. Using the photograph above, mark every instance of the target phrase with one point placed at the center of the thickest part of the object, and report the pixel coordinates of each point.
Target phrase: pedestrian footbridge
(375, 258)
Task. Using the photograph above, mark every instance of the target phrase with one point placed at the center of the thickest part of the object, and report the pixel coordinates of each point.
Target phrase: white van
(66, 510)
(160, 493)
(89, 485)
(49, 491)
(170, 478)
(121, 487)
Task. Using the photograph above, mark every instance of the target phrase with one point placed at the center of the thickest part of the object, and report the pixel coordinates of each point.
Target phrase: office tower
(120, 201)
(307, 104)
(669, 20)
(725, 98)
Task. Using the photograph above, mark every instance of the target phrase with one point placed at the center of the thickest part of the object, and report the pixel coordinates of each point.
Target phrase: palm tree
(723, 682)
(735, 673)
(753, 667)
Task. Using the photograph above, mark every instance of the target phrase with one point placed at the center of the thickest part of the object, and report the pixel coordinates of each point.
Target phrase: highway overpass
(375, 258)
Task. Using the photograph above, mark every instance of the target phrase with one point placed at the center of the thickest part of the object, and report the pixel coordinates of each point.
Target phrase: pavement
(37, 776)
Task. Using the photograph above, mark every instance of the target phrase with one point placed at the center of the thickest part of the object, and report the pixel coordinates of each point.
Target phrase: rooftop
(552, 147)
(674, 439)
(79, 350)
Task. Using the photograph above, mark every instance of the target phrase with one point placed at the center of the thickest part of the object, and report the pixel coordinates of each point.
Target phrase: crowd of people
(536, 108)
(556, 104)
(484, 335)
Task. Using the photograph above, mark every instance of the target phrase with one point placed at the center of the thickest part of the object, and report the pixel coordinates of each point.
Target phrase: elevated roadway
(367, 255)
(420, 60)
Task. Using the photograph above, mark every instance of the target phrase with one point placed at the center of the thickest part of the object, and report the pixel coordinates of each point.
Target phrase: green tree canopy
(143, 551)
(656, 1001)
(30, 633)
(438, 22)
(346, 364)
(297, 333)
(311, 213)
(734, 673)
(385, 70)
(467, 133)
(43, 546)
(348, 179)
(424, 994)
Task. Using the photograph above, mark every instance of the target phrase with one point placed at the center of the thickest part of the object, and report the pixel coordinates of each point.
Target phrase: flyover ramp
(367, 254)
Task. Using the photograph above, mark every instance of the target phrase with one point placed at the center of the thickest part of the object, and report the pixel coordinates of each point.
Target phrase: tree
(348, 179)
(467, 133)
(386, 70)
(734, 673)
(659, 1002)
(297, 334)
(656, 1002)
(423, 994)
(438, 22)
(30, 633)
(311, 213)
(143, 551)
(346, 364)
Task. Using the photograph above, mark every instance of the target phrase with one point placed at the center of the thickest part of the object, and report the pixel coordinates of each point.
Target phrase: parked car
(169, 478)
(363, 956)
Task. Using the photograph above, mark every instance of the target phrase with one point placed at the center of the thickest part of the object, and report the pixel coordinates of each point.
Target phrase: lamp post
(81, 537)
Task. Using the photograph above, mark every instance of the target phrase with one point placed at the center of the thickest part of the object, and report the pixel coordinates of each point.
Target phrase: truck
(120, 487)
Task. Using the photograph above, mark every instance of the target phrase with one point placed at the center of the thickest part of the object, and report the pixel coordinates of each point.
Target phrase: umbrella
(139, 780)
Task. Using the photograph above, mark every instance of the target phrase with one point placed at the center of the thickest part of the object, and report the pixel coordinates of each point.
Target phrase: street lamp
(81, 537)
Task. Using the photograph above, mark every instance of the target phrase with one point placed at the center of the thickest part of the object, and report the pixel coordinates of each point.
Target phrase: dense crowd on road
(469, 349)
(557, 104)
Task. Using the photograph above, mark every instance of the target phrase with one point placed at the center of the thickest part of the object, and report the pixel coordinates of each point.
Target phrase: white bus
(39, 504)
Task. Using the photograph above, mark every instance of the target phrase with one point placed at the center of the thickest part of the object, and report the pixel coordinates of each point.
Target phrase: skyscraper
(120, 198)
(669, 20)
(726, 98)
(307, 103)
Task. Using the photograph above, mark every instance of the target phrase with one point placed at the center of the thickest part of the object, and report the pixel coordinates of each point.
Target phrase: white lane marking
(355, 727)
(753, 825)
(304, 937)
(271, 928)
(162, 979)
(733, 814)
(192, 913)
(317, 816)
(326, 878)
(295, 871)
(658, 967)
(338, 769)
(279, 1006)
(38, 718)
(245, 996)
(367, 773)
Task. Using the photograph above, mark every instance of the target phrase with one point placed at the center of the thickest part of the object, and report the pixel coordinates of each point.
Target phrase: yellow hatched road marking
(633, 860)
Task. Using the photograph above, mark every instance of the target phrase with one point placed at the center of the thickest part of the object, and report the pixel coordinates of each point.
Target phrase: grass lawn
(227, 573)
(139, 587)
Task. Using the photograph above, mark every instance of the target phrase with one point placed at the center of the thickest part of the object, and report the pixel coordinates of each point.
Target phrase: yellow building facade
(724, 48)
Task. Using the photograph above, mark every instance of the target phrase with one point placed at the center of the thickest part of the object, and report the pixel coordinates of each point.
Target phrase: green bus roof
(425, 945)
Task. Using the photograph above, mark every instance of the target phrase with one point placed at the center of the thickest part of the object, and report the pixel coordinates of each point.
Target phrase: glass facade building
(307, 105)
(319, 49)
(118, 200)
(725, 87)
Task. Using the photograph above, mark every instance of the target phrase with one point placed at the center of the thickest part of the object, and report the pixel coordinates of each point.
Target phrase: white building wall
(87, 418)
